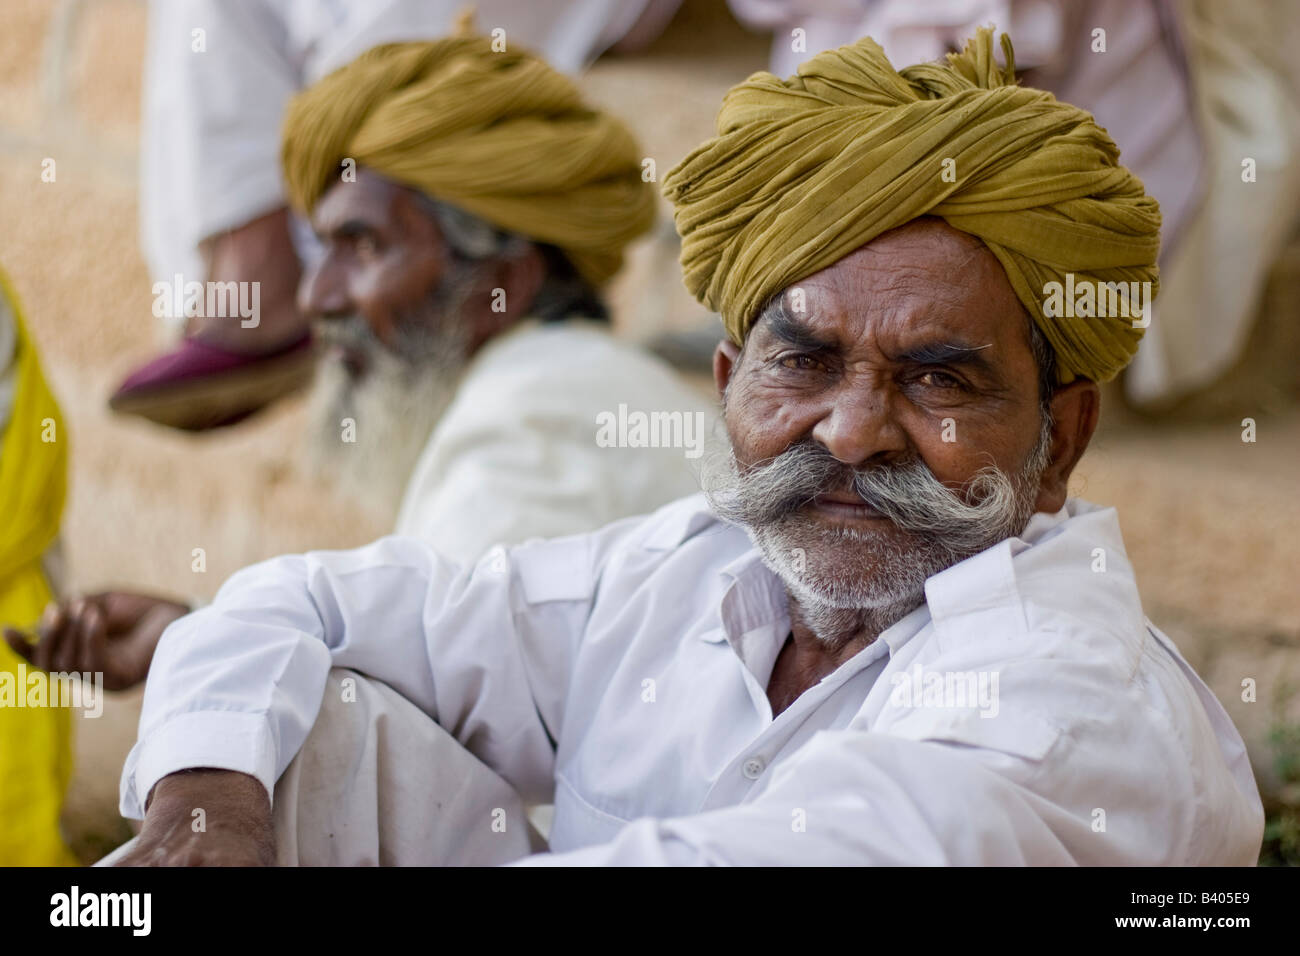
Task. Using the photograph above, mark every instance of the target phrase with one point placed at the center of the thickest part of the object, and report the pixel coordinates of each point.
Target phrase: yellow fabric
(500, 135)
(803, 171)
(35, 742)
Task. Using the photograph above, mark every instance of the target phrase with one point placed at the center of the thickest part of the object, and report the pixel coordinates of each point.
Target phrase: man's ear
(514, 284)
(1075, 410)
(725, 357)
(521, 278)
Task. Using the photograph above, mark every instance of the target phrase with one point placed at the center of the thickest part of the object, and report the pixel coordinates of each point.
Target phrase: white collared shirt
(623, 672)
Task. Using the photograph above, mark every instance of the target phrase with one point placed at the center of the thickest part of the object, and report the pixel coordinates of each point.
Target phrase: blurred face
(890, 428)
(389, 303)
(383, 267)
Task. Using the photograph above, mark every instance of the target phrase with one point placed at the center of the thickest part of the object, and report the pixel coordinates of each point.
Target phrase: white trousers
(378, 782)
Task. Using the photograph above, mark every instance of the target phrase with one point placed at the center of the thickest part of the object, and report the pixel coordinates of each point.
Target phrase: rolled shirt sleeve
(484, 649)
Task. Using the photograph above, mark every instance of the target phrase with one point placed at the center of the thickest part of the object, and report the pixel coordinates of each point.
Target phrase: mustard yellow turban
(500, 135)
(804, 171)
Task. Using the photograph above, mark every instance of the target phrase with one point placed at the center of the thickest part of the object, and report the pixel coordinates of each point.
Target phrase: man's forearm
(206, 817)
(239, 684)
(233, 685)
(183, 786)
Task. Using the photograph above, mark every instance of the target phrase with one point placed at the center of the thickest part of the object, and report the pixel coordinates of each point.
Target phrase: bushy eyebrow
(947, 353)
(347, 229)
(797, 333)
(794, 331)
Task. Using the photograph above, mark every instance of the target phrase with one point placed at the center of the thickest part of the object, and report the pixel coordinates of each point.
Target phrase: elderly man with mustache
(885, 634)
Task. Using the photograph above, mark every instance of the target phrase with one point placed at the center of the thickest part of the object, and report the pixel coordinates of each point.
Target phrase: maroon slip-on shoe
(197, 386)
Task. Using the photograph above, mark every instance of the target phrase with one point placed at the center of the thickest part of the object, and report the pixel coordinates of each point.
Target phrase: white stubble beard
(822, 568)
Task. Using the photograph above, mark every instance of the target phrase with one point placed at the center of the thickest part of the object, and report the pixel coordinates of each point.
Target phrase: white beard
(834, 594)
(827, 578)
(842, 581)
(388, 414)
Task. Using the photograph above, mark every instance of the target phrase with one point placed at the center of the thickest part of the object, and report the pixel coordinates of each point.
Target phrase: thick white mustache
(907, 494)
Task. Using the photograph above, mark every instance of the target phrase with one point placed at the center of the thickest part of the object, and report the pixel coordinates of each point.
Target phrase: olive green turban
(500, 135)
(804, 171)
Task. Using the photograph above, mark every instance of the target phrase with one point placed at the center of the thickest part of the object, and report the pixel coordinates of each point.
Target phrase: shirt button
(753, 768)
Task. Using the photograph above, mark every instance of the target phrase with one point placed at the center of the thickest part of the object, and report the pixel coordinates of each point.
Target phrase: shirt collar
(981, 590)
(689, 517)
(754, 597)
(986, 593)
(755, 615)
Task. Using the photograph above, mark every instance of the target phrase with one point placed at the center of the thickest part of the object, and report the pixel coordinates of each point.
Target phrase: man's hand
(233, 828)
(114, 633)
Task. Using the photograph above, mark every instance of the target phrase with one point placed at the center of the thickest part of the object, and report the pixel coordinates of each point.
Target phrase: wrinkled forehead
(369, 197)
(923, 281)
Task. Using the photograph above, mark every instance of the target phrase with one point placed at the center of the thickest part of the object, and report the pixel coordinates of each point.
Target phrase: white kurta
(624, 672)
(516, 455)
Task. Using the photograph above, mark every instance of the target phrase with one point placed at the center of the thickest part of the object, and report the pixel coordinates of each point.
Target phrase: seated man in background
(470, 359)
(212, 200)
(881, 638)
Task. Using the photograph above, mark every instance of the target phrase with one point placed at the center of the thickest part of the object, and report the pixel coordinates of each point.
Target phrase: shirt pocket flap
(1027, 736)
(555, 570)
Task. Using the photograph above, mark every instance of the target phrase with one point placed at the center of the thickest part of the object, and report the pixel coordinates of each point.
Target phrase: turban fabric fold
(501, 135)
(804, 171)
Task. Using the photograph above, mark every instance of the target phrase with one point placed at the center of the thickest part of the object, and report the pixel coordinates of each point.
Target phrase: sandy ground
(1210, 522)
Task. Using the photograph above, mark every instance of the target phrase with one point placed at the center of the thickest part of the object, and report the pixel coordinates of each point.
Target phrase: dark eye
(802, 363)
(938, 379)
(365, 246)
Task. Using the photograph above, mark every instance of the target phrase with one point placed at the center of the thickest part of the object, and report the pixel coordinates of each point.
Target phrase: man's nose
(861, 428)
(322, 293)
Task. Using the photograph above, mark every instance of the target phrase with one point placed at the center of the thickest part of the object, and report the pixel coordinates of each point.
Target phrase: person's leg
(379, 782)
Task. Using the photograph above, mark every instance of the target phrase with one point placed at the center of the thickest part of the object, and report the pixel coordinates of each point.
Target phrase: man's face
(383, 259)
(909, 365)
(387, 301)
